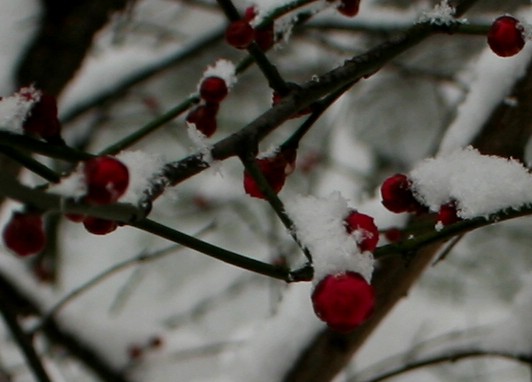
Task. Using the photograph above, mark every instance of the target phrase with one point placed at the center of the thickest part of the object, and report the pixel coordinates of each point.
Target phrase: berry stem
(36, 146)
(213, 251)
(275, 80)
(30, 163)
(148, 128)
(277, 205)
(23, 341)
(44, 201)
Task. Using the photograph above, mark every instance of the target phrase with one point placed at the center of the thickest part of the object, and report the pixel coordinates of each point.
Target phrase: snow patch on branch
(16, 108)
(479, 184)
(319, 223)
(441, 14)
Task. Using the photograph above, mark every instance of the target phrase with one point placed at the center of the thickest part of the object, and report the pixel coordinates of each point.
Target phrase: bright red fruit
(204, 118)
(364, 228)
(42, 120)
(239, 34)
(343, 301)
(393, 235)
(505, 37)
(107, 179)
(99, 226)
(448, 214)
(24, 234)
(349, 8)
(397, 195)
(275, 169)
(213, 89)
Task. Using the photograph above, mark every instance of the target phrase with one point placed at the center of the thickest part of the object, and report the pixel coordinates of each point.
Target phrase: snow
(490, 79)
(14, 109)
(201, 143)
(319, 224)
(143, 169)
(480, 184)
(223, 69)
(71, 186)
(441, 14)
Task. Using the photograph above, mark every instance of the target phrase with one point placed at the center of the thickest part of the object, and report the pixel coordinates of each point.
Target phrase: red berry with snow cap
(107, 179)
(99, 226)
(343, 301)
(264, 36)
(24, 234)
(364, 229)
(239, 34)
(213, 89)
(397, 195)
(204, 118)
(505, 37)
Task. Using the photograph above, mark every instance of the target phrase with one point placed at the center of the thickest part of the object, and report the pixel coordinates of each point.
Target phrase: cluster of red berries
(506, 36)
(397, 196)
(106, 179)
(275, 170)
(240, 34)
(345, 300)
(212, 91)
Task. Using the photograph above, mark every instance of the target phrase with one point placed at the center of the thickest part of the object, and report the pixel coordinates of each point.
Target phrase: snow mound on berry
(72, 186)
(480, 184)
(319, 224)
(15, 109)
(223, 69)
(143, 172)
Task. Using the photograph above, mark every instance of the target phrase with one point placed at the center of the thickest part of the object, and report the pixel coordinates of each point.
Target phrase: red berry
(99, 226)
(349, 8)
(107, 179)
(24, 234)
(155, 342)
(204, 118)
(365, 230)
(505, 37)
(275, 169)
(393, 235)
(213, 89)
(135, 352)
(397, 195)
(75, 218)
(343, 301)
(42, 119)
(239, 34)
(264, 36)
(448, 214)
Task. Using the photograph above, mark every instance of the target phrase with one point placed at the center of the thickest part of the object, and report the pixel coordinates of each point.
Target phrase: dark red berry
(349, 8)
(448, 214)
(42, 120)
(155, 342)
(364, 228)
(264, 36)
(393, 235)
(213, 89)
(505, 37)
(204, 118)
(239, 34)
(75, 218)
(107, 179)
(99, 226)
(24, 234)
(397, 195)
(343, 301)
(275, 169)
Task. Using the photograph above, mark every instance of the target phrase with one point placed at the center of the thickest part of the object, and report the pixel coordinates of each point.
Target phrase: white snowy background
(220, 323)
